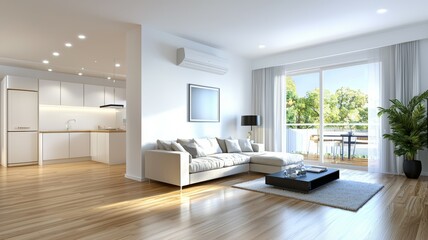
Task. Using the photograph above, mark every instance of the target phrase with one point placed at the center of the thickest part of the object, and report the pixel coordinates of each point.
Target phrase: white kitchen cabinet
(109, 95)
(120, 96)
(102, 148)
(79, 145)
(56, 146)
(18, 154)
(94, 95)
(49, 92)
(94, 146)
(109, 148)
(22, 110)
(22, 83)
(71, 94)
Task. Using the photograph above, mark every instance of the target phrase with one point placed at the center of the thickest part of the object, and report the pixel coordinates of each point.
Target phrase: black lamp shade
(250, 120)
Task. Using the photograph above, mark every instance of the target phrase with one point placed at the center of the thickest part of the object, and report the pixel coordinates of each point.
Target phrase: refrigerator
(19, 121)
(22, 124)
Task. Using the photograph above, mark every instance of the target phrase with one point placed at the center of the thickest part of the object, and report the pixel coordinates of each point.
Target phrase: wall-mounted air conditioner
(201, 61)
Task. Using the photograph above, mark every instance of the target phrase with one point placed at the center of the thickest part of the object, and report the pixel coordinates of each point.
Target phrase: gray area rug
(343, 194)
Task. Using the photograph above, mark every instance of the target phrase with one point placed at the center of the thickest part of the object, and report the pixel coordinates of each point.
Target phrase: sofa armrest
(167, 166)
(258, 147)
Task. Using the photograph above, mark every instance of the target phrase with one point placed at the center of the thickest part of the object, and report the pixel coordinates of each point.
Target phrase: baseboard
(424, 173)
(139, 179)
(66, 160)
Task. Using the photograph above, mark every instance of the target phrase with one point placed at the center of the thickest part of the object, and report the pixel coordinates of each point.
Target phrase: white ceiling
(30, 30)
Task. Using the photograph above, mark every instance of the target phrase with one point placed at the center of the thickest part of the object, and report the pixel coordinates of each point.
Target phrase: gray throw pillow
(232, 146)
(184, 141)
(194, 150)
(164, 145)
(245, 145)
(177, 147)
(222, 144)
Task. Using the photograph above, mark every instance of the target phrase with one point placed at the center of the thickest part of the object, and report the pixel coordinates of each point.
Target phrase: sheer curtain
(268, 101)
(398, 79)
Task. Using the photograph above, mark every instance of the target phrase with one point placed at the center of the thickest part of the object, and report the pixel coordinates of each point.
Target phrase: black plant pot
(412, 168)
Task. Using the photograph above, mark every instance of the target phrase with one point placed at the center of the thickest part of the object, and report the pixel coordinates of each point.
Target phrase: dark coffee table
(302, 184)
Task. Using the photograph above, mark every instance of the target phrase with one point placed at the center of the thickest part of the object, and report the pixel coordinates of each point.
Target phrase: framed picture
(204, 104)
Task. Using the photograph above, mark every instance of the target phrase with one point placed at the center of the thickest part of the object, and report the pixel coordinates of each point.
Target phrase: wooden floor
(90, 200)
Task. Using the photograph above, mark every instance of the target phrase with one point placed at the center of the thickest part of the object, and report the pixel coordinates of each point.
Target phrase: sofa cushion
(245, 145)
(231, 159)
(275, 158)
(194, 149)
(232, 146)
(205, 163)
(209, 145)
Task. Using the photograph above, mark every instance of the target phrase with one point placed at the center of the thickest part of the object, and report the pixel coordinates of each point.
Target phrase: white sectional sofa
(177, 162)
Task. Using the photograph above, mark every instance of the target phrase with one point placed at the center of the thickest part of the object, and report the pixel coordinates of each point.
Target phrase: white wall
(134, 163)
(369, 41)
(423, 156)
(165, 86)
(87, 118)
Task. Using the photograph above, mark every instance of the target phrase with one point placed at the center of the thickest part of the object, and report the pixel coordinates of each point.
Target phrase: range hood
(117, 106)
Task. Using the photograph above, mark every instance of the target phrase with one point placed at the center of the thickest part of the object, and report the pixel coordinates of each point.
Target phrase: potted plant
(409, 133)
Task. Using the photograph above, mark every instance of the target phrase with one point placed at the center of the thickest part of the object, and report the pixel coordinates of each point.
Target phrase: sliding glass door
(303, 114)
(327, 114)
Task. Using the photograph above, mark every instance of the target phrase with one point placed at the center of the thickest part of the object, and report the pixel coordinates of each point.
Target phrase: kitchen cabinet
(120, 96)
(94, 95)
(55, 146)
(22, 147)
(22, 83)
(65, 145)
(109, 148)
(109, 95)
(79, 145)
(71, 94)
(49, 92)
(22, 110)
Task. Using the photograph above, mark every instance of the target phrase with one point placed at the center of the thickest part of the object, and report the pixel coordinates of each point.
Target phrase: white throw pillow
(245, 145)
(232, 146)
(209, 145)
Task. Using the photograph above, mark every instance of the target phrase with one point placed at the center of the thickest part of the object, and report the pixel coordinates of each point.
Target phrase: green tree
(344, 106)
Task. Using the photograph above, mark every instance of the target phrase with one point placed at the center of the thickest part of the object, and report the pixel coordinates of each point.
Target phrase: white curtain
(268, 101)
(399, 79)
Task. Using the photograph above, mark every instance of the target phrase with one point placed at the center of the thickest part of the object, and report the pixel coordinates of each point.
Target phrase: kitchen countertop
(77, 131)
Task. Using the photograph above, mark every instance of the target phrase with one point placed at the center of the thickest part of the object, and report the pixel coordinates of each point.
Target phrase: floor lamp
(250, 120)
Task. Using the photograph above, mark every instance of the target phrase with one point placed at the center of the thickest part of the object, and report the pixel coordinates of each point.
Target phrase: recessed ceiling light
(50, 69)
(68, 44)
(108, 78)
(81, 36)
(83, 68)
(80, 74)
(261, 46)
(56, 54)
(45, 61)
(381, 11)
(117, 65)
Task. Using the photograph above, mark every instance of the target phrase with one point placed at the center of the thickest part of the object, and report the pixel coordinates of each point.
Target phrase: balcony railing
(305, 139)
